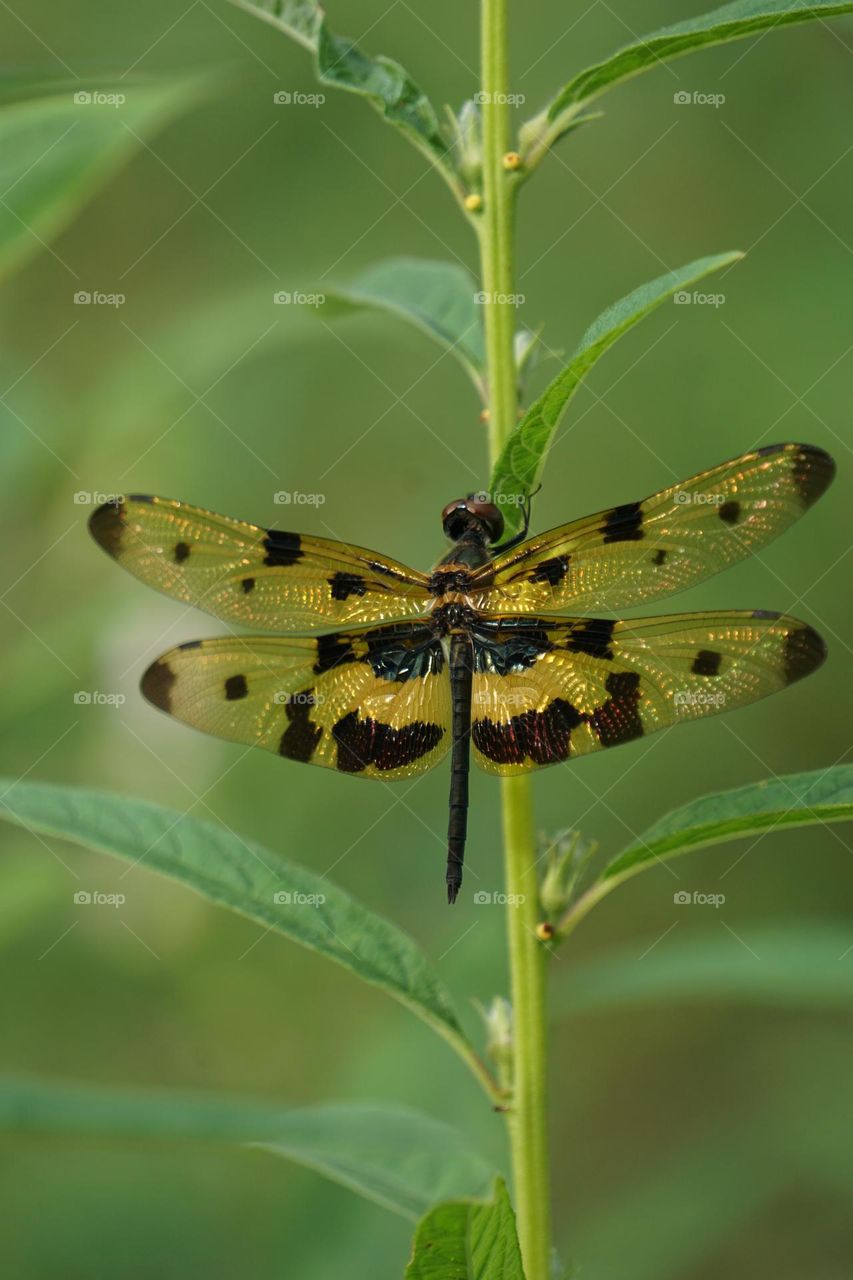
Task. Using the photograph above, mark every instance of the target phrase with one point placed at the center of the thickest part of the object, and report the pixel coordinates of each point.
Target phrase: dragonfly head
(473, 519)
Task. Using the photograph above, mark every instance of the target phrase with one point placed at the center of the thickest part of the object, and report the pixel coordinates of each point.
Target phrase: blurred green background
(690, 1140)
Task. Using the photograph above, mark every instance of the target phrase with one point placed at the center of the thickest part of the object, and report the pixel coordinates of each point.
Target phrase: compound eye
(489, 515)
(455, 519)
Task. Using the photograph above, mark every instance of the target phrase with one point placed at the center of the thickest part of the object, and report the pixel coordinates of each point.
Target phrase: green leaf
(246, 877)
(439, 298)
(795, 964)
(341, 64)
(468, 1240)
(400, 1158)
(522, 457)
(798, 800)
(55, 151)
(731, 22)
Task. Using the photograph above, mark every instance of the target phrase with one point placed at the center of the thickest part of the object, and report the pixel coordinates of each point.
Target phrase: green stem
(527, 1113)
(497, 227)
(527, 1116)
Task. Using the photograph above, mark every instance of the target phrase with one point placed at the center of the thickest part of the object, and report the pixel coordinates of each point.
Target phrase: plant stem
(528, 1118)
(527, 1114)
(497, 228)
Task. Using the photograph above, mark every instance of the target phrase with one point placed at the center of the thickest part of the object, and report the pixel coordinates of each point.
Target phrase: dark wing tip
(805, 650)
(106, 525)
(814, 471)
(156, 684)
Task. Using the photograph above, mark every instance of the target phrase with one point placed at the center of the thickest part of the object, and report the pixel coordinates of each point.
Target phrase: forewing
(645, 550)
(373, 703)
(560, 688)
(265, 578)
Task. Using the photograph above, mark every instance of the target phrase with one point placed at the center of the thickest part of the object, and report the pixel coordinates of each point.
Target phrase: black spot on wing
(182, 551)
(552, 571)
(803, 653)
(236, 688)
(365, 742)
(332, 650)
(618, 719)
(729, 512)
(344, 585)
(190, 644)
(592, 637)
(624, 524)
(157, 684)
(248, 584)
(706, 663)
(106, 525)
(659, 557)
(541, 736)
(282, 549)
(300, 738)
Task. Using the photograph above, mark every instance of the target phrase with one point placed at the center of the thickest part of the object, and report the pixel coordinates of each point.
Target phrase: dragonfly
(505, 651)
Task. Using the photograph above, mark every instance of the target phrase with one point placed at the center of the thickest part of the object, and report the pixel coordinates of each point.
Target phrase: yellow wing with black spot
(373, 703)
(642, 551)
(265, 578)
(548, 689)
